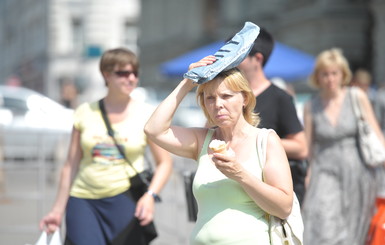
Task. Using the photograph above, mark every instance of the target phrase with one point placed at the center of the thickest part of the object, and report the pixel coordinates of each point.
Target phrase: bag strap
(261, 147)
(356, 104)
(111, 133)
(261, 152)
(295, 219)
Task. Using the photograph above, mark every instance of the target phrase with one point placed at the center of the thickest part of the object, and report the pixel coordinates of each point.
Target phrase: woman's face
(330, 78)
(224, 106)
(122, 79)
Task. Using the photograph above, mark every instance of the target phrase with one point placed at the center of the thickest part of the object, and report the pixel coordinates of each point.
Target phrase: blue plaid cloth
(228, 56)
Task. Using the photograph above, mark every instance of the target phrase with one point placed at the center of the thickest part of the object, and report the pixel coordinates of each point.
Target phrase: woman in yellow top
(94, 187)
(232, 198)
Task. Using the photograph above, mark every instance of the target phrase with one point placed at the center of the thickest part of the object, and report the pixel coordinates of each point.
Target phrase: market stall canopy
(285, 62)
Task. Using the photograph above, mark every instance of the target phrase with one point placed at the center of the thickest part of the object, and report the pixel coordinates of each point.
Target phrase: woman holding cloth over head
(94, 190)
(232, 198)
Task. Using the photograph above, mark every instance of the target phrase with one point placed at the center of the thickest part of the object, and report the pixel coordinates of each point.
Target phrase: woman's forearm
(63, 190)
(160, 120)
(68, 172)
(163, 171)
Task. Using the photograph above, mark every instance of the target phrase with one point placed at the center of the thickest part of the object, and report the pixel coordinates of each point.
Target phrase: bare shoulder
(272, 136)
(275, 153)
(361, 96)
(360, 93)
(268, 131)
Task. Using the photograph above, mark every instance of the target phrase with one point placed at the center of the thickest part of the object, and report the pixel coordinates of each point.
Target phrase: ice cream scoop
(218, 146)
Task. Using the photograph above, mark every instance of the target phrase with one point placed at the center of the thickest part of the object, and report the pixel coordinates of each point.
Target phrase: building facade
(47, 43)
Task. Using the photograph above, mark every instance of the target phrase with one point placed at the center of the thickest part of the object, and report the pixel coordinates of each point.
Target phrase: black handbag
(139, 185)
(192, 207)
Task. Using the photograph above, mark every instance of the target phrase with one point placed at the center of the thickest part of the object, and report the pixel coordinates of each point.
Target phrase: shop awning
(285, 62)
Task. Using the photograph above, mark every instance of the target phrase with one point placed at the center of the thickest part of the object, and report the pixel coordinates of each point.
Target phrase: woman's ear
(259, 57)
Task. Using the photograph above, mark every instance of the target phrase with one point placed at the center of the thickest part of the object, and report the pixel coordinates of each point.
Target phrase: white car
(32, 126)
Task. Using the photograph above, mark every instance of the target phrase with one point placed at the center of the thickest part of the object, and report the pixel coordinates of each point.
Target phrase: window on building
(77, 36)
(130, 35)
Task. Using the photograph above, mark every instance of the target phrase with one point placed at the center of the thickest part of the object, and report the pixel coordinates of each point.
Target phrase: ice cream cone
(218, 146)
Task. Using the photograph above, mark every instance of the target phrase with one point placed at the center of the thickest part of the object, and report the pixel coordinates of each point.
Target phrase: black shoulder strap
(105, 119)
(111, 133)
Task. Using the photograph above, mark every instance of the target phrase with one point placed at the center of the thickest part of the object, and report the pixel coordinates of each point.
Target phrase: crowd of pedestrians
(342, 199)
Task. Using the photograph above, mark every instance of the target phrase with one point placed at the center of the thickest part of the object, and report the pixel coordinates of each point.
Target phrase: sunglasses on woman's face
(125, 73)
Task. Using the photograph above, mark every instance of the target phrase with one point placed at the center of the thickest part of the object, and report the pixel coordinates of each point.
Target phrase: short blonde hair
(331, 57)
(235, 81)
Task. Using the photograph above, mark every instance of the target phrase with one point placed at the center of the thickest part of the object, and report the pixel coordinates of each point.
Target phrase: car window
(17, 106)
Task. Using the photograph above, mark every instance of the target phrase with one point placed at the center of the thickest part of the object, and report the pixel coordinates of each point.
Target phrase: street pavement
(27, 192)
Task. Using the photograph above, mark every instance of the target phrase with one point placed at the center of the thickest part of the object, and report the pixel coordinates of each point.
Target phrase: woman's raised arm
(177, 140)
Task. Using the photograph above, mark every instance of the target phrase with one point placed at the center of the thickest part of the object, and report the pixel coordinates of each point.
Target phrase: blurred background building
(48, 44)
(356, 26)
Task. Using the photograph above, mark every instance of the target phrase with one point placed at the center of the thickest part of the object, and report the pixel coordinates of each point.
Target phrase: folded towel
(228, 56)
